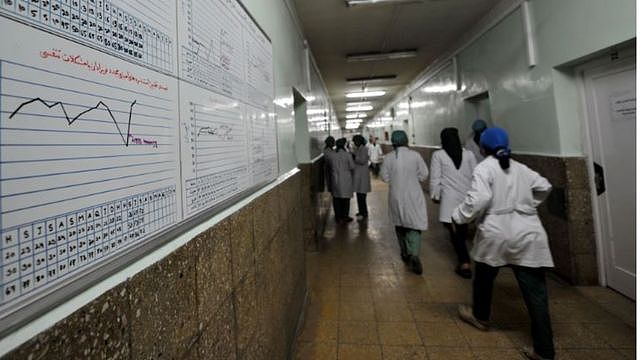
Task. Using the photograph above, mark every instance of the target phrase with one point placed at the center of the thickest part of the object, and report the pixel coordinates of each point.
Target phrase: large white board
(118, 121)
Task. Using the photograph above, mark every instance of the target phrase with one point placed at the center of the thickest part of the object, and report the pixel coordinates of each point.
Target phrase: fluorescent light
(371, 79)
(317, 118)
(360, 108)
(315, 111)
(365, 94)
(380, 56)
(378, 2)
(356, 116)
(361, 103)
(352, 126)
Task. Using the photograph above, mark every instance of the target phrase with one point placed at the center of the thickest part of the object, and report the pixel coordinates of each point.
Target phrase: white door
(611, 102)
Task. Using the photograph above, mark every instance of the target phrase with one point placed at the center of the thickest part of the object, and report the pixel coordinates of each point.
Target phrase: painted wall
(538, 106)
(277, 19)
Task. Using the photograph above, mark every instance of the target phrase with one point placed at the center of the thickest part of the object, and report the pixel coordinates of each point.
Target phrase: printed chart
(136, 30)
(88, 163)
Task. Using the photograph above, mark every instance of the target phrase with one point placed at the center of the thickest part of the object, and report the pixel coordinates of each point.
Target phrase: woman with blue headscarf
(504, 195)
(404, 169)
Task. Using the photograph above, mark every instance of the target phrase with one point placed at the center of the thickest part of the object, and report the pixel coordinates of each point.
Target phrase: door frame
(601, 66)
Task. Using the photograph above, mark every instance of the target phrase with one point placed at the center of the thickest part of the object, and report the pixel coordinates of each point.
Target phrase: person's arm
(423, 171)
(540, 187)
(435, 179)
(476, 201)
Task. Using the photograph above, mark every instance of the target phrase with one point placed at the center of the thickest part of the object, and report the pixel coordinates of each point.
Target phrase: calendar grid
(99, 23)
(48, 251)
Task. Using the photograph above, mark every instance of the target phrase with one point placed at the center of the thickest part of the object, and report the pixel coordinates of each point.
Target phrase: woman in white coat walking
(451, 171)
(342, 166)
(505, 195)
(404, 169)
(361, 179)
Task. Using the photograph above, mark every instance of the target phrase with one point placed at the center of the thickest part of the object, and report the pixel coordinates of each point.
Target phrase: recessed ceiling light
(356, 116)
(359, 103)
(370, 79)
(365, 94)
(378, 56)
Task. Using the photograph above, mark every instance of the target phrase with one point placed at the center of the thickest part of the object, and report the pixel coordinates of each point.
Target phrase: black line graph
(126, 138)
(223, 132)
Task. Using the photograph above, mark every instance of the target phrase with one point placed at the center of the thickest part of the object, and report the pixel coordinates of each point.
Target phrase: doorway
(479, 107)
(610, 99)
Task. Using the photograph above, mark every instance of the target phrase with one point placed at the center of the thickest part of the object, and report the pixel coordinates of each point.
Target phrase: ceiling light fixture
(365, 94)
(379, 56)
(359, 103)
(370, 79)
(356, 116)
(379, 2)
(360, 108)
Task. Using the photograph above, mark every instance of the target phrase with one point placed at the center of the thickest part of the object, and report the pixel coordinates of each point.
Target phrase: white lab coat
(471, 145)
(448, 184)
(510, 231)
(342, 165)
(361, 178)
(407, 205)
(375, 153)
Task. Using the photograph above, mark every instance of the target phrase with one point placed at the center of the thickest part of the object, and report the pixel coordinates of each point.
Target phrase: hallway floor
(365, 304)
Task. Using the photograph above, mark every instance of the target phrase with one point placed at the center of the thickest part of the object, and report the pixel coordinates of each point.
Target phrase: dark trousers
(375, 169)
(362, 204)
(459, 241)
(341, 207)
(534, 291)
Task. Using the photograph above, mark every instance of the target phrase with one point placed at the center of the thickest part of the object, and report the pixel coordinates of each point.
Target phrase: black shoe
(416, 265)
(348, 219)
(465, 273)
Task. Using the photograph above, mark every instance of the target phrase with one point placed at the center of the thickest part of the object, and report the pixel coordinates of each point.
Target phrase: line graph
(70, 120)
(223, 132)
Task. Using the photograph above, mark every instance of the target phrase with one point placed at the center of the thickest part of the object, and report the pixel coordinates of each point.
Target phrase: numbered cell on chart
(215, 147)
(79, 127)
(140, 31)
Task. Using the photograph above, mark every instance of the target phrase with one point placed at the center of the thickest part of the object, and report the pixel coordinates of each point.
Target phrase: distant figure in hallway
(329, 152)
(342, 166)
(403, 170)
(505, 194)
(375, 156)
(361, 179)
(451, 171)
(473, 142)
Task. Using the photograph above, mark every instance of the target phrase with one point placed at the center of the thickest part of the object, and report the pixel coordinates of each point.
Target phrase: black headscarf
(340, 143)
(451, 144)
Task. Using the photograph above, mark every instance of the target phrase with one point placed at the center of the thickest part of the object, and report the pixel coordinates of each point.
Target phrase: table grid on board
(205, 191)
(99, 23)
(35, 255)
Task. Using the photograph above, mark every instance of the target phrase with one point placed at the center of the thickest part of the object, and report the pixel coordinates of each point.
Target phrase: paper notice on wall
(623, 106)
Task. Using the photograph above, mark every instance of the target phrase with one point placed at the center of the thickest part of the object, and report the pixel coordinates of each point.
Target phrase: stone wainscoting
(316, 203)
(236, 291)
(567, 214)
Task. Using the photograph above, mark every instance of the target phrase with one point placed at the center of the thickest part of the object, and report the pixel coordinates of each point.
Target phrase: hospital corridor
(318, 179)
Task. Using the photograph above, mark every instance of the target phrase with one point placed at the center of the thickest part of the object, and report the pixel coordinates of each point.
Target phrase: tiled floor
(364, 303)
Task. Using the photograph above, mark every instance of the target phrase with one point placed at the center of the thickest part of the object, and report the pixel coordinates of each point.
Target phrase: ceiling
(334, 30)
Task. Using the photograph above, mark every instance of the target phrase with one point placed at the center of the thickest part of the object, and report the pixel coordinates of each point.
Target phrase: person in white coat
(451, 171)
(404, 169)
(473, 142)
(505, 195)
(361, 179)
(375, 156)
(342, 166)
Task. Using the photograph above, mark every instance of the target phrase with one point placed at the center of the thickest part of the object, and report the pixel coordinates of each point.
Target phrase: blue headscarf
(398, 139)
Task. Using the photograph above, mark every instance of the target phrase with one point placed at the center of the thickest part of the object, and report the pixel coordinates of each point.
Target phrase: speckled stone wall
(316, 202)
(236, 291)
(567, 214)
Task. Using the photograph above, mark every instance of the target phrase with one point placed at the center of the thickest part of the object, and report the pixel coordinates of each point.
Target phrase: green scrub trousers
(410, 240)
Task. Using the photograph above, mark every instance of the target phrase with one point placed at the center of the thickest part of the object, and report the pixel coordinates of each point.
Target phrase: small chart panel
(214, 148)
(263, 145)
(140, 30)
(88, 159)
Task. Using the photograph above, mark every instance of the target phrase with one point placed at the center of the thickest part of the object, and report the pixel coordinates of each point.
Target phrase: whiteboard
(119, 121)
